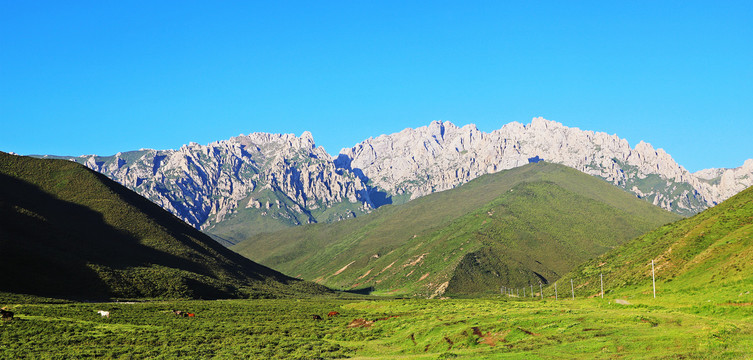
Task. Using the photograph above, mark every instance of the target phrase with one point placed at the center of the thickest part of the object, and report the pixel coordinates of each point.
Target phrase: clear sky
(84, 77)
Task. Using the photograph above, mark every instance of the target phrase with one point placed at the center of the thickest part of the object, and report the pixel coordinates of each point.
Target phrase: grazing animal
(183, 313)
(6, 315)
(104, 313)
(316, 317)
(333, 313)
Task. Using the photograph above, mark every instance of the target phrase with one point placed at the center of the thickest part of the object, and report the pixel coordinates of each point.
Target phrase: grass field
(491, 328)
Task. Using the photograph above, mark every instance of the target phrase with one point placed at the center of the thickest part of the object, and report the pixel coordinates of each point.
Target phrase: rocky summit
(207, 184)
(441, 156)
(265, 182)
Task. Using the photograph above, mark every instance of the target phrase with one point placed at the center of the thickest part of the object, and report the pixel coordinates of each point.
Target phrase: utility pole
(602, 285)
(653, 277)
(532, 291)
(541, 291)
(572, 289)
(555, 290)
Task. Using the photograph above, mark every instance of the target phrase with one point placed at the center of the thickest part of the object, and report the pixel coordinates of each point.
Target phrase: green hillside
(282, 213)
(68, 232)
(706, 256)
(515, 227)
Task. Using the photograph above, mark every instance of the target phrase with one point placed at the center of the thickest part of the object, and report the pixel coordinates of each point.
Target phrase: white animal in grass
(104, 313)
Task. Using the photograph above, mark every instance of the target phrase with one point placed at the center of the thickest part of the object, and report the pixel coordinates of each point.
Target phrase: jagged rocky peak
(281, 145)
(709, 174)
(714, 173)
(442, 155)
(207, 184)
(727, 182)
(203, 184)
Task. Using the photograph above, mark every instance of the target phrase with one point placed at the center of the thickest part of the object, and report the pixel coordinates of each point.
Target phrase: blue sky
(100, 77)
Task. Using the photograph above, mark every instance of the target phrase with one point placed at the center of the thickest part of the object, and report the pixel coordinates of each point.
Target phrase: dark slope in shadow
(69, 232)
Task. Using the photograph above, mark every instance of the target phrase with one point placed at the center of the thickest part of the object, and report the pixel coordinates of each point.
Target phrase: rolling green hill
(515, 227)
(69, 232)
(706, 256)
(248, 220)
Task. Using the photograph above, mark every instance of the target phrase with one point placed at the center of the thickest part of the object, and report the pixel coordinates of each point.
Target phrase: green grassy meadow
(497, 327)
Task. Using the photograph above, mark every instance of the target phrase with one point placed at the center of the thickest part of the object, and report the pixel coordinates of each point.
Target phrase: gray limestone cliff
(416, 162)
(280, 177)
(263, 182)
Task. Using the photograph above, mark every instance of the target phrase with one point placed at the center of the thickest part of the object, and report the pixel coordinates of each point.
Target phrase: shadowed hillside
(515, 227)
(69, 232)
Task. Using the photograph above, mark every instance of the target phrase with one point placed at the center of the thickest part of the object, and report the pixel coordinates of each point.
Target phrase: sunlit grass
(490, 328)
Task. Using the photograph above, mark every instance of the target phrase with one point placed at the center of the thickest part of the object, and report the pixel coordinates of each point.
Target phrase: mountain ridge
(70, 232)
(263, 182)
(441, 155)
(282, 178)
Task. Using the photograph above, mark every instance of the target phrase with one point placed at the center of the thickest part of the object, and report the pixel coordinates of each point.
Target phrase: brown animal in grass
(316, 317)
(6, 315)
(333, 313)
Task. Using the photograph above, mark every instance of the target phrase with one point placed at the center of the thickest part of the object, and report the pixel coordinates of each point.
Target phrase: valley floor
(390, 329)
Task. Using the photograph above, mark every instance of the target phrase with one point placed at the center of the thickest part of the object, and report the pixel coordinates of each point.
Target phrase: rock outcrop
(725, 183)
(204, 184)
(441, 156)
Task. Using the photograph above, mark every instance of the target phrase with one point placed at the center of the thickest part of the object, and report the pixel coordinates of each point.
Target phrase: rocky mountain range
(441, 156)
(282, 177)
(264, 182)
